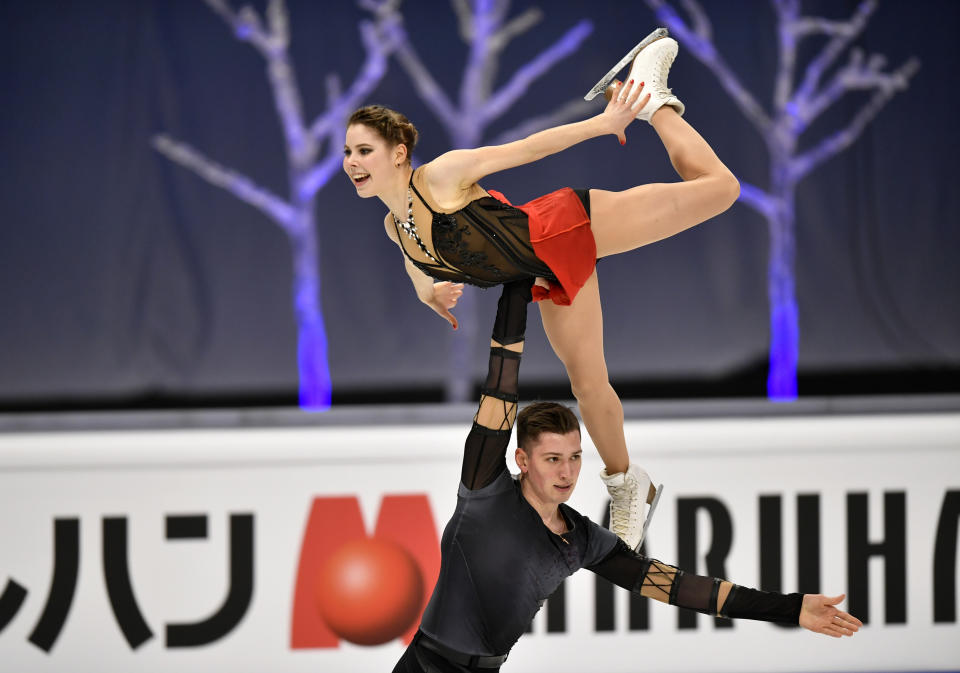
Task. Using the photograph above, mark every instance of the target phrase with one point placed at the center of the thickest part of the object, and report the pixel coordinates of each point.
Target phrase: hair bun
(391, 125)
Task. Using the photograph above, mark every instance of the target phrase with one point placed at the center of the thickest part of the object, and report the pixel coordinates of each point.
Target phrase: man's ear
(522, 459)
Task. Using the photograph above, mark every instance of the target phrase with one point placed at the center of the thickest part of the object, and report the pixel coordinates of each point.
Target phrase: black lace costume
(499, 562)
(484, 243)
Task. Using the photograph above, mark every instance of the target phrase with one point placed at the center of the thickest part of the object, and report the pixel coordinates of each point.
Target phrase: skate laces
(660, 73)
(624, 506)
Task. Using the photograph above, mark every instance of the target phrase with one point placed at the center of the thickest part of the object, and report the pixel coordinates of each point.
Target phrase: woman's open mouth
(360, 179)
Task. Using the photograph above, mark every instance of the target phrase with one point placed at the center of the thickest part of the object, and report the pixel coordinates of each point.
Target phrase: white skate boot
(630, 494)
(601, 86)
(652, 67)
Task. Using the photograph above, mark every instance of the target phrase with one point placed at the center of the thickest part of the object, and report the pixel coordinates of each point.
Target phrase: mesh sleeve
(654, 579)
(666, 583)
(486, 445)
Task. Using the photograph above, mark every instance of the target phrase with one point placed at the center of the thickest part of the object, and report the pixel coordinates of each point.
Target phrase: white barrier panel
(180, 550)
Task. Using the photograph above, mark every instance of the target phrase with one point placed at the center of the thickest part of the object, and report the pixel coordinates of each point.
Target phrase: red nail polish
(623, 142)
(631, 81)
(642, 83)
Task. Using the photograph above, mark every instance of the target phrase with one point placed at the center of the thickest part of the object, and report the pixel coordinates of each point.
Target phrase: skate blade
(646, 522)
(600, 86)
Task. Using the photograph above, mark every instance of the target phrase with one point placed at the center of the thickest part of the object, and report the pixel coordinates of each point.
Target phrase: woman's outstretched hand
(819, 615)
(623, 107)
(445, 297)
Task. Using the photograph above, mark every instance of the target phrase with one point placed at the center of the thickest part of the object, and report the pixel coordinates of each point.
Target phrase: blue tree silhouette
(797, 103)
(308, 172)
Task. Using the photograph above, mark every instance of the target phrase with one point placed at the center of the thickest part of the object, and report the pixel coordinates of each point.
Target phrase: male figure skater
(512, 539)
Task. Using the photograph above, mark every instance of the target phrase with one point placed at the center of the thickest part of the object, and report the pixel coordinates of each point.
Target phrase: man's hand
(445, 297)
(819, 615)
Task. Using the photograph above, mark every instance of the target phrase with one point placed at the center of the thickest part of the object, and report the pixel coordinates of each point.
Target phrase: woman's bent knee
(730, 190)
(589, 387)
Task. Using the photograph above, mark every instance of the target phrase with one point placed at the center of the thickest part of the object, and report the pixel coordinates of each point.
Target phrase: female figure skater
(453, 231)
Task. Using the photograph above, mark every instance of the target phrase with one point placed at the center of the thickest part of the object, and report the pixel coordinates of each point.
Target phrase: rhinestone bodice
(409, 227)
(484, 243)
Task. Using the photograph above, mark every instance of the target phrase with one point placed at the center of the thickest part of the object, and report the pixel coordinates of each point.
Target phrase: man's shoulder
(502, 483)
(593, 532)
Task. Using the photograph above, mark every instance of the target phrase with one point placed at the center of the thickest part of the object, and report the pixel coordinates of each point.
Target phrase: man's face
(551, 466)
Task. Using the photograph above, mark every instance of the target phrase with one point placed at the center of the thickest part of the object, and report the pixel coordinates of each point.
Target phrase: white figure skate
(632, 495)
(651, 66)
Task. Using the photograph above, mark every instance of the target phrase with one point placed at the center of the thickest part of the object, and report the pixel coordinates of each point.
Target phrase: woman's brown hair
(392, 126)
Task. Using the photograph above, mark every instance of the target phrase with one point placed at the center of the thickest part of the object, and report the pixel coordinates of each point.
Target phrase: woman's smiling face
(367, 159)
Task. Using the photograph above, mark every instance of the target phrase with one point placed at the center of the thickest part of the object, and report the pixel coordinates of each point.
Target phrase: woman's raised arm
(459, 169)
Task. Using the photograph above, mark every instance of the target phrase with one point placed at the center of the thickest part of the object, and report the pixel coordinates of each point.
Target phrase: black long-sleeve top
(499, 562)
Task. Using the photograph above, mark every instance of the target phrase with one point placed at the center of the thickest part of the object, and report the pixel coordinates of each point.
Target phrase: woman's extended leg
(576, 334)
(632, 218)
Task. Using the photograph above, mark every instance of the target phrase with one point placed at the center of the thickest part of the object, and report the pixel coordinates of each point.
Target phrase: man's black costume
(499, 562)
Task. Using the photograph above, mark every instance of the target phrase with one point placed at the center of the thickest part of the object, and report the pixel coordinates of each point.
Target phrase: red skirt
(561, 238)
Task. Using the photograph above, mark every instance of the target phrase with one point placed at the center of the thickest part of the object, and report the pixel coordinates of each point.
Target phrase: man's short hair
(541, 417)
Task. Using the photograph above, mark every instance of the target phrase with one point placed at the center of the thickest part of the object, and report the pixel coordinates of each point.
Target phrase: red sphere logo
(370, 591)
(364, 587)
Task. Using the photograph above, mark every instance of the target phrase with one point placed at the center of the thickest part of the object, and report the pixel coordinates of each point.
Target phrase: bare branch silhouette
(794, 110)
(888, 86)
(239, 185)
(575, 109)
(307, 172)
(704, 50)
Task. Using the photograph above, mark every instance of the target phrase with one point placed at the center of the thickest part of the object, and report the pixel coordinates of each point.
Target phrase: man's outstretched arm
(486, 445)
(713, 596)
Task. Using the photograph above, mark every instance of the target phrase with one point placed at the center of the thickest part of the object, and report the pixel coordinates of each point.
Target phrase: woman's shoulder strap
(417, 176)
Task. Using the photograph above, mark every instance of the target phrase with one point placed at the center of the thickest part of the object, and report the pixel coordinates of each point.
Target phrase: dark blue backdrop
(125, 277)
